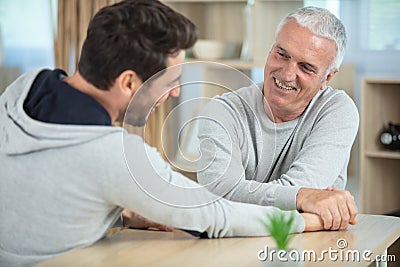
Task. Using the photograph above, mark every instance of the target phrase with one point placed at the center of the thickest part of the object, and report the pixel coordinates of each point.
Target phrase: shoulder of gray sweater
(331, 100)
(331, 96)
(242, 97)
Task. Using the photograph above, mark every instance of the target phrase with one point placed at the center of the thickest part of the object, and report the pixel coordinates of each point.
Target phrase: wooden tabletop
(373, 233)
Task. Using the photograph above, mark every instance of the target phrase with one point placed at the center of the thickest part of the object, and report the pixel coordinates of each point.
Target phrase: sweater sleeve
(148, 186)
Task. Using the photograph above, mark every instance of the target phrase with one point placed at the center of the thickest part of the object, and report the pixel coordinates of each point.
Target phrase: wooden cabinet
(380, 168)
(224, 20)
(7, 76)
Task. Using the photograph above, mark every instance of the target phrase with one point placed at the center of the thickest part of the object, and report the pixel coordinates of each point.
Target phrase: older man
(270, 143)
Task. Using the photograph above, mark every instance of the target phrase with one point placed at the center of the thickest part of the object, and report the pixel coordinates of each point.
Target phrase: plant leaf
(279, 226)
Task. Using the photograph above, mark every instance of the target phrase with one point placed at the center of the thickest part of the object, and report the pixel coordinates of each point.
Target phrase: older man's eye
(283, 56)
(307, 69)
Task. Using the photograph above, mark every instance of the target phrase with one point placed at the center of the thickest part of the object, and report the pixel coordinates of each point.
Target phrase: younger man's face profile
(156, 90)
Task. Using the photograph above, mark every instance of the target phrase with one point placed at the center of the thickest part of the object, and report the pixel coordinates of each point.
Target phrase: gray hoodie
(64, 186)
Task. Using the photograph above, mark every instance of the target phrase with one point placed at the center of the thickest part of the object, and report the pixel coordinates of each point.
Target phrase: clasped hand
(336, 208)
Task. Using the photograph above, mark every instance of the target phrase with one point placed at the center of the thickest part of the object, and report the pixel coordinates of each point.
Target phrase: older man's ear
(328, 78)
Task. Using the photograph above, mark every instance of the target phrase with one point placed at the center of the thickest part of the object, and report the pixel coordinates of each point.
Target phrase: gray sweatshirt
(64, 186)
(248, 158)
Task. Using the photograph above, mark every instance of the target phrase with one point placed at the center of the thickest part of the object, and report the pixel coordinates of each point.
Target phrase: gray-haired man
(286, 140)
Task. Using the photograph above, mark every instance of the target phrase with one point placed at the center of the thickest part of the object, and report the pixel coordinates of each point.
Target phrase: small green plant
(279, 227)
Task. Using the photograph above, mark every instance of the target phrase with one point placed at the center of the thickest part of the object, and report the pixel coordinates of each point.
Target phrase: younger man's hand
(134, 220)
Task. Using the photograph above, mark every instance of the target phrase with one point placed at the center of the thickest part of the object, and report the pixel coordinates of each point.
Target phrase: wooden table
(128, 247)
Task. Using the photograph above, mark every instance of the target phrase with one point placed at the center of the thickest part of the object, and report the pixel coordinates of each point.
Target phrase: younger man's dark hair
(133, 34)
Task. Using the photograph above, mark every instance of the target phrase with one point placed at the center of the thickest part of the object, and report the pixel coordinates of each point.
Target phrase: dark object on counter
(394, 213)
(390, 137)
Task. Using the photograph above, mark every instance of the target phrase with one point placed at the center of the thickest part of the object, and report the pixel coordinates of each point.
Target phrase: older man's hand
(336, 208)
(134, 220)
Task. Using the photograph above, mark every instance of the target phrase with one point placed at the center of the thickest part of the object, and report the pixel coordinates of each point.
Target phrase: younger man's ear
(128, 81)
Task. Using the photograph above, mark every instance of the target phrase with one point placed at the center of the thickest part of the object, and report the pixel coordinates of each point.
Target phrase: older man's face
(295, 70)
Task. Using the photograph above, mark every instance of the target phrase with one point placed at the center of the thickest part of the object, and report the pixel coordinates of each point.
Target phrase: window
(27, 29)
(383, 25)
(331, 5)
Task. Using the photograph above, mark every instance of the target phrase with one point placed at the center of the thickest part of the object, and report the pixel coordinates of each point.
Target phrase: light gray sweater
(63, 186)
(246, 157)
